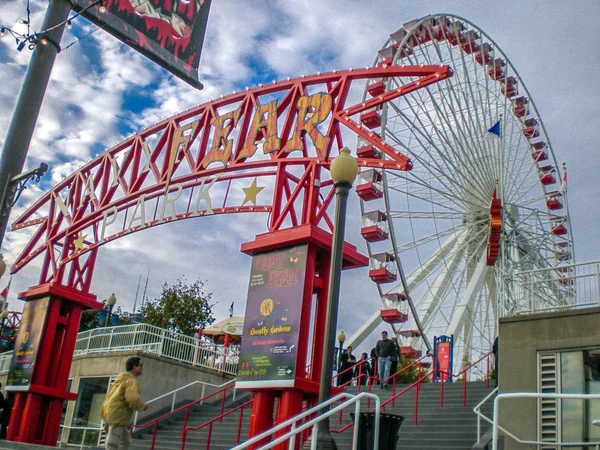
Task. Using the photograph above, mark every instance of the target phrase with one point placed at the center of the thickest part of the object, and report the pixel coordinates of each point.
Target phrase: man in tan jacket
(122, 400)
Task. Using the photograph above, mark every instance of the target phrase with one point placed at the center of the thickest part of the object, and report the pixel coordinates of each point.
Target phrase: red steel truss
(194, 163)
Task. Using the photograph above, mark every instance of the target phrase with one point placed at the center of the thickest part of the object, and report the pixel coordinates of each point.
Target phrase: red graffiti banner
(169, 32)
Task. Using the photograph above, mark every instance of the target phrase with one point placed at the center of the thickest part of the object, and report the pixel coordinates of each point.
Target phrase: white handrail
(496, 426)
(174, 394)
(156, 340)
(314, 423)
(480, 415)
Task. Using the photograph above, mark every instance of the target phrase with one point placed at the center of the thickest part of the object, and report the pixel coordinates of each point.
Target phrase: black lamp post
(111, 304)
(344, 170)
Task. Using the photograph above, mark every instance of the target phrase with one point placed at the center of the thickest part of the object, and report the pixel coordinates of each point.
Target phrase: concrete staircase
(449, 428)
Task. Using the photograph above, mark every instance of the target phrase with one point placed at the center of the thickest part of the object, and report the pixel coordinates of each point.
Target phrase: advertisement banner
(443, 355)
(27, 344)
(272, 320)
(169, 32)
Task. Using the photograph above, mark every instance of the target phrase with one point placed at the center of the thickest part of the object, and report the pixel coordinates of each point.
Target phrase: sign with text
(27, 344)
(443, 356)
(272, 320)
(169, 32)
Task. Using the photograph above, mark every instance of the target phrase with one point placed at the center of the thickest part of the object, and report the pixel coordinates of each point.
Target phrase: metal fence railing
(555, 289)
(152, 339)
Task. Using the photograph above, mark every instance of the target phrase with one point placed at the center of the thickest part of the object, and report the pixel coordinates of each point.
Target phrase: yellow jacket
(122, 399)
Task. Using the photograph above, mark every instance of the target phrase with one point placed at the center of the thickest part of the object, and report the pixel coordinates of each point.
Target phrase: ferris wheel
(484, 201)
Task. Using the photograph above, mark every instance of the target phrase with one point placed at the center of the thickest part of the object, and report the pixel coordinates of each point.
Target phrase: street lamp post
(344, 169)
(111, 304)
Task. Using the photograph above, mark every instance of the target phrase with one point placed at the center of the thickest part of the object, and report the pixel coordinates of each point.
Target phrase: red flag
(4, 294)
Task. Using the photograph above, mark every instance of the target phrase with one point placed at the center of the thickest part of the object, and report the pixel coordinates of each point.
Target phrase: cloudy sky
(101, 91)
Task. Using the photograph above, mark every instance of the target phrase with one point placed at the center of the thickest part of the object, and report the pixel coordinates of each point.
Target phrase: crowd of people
(386, 352)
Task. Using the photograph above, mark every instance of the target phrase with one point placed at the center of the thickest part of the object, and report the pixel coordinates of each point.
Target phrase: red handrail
(210, 423)
(351, 368)
(181, 408)
(418, 386)
(487, 355)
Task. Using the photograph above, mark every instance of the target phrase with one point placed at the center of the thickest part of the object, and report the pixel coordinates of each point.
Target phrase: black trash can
(389, 430)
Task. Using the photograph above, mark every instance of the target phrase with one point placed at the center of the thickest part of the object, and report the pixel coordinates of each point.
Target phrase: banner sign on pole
(272, 320)
(443, 352)
(27, 344)
(169, 32)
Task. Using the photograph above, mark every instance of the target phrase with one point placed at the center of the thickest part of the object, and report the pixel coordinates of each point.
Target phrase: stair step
(452, 427)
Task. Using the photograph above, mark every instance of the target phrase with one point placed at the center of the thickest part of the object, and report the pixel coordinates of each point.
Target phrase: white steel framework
(470, 137)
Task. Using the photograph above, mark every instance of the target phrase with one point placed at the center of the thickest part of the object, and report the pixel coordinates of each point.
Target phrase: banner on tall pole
(169, 32)
(27, 344)
(272, 321)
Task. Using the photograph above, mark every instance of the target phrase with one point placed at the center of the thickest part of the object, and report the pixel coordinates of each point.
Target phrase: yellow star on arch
(79, 242)
(251, 193)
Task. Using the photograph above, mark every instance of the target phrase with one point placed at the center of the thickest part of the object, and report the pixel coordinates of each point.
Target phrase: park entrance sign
(266, 150)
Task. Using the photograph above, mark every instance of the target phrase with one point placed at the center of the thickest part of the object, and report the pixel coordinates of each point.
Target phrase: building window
(66, 403)
(580, 374)
(90, 395)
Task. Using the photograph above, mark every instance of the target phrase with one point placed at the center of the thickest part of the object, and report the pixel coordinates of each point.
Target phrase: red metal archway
(207, 160)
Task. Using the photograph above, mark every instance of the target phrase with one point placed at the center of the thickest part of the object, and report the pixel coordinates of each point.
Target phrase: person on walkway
(396, 357)
(384, 349)
(347, 360)
(122, 399)
(495, 352)
(362, 372)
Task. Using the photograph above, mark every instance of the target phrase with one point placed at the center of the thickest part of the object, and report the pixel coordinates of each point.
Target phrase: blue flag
(231, 309)
(495, 129)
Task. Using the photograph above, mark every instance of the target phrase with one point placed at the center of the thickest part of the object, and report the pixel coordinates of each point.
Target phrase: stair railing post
(487, 372)
(465, 389)
(441, 391)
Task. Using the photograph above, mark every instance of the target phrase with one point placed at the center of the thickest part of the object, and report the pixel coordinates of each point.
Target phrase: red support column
(312, 321)
(291, 405)
(262, 415)
(36, 414)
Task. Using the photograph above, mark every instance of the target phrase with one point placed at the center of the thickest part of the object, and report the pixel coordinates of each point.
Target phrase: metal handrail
(175, 391)
(496, 425)
(480, 415)
(155, 340)
(356, 399)
(182, 408)
(213, 420)
(350, 368)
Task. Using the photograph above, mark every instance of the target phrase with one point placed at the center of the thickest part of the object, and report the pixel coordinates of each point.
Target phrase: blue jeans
(384, 364)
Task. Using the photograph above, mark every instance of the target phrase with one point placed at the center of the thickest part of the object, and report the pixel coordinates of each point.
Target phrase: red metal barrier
(185, 408)
(210, 424)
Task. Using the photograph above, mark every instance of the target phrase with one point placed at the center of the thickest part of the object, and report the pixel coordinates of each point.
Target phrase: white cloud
(89, 107)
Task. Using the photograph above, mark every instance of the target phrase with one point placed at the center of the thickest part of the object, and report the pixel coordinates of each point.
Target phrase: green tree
(180, 308)
(411, 374)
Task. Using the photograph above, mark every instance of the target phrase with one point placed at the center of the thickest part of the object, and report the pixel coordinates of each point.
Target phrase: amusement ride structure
(484, 200)
(458, 184)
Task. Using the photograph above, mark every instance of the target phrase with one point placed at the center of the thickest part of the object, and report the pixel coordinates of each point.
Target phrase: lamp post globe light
(341, 337)
(344, 170)
(110, 301)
